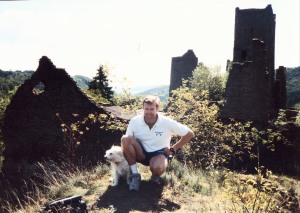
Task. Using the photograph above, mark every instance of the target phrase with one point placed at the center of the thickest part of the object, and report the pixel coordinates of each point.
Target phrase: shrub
(217, 144)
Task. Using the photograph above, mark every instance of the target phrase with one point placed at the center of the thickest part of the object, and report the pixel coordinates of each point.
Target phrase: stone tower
(280, 88)
(182, 68)
(250, 24)
(247, 88)
(250, 91)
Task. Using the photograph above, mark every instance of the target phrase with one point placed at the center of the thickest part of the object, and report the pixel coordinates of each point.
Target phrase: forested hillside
(10, 79)
(82, 81)
(293, 87)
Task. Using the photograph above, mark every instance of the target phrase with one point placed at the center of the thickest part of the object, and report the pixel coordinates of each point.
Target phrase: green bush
(217, 144)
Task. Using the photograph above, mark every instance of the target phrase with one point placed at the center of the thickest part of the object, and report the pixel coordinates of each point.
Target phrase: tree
(100, 84)
(292, 86)
(209, 80)
(219, 144)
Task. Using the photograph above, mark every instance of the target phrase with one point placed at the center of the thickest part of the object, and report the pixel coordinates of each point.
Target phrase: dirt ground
(151, 197)
(148, 199)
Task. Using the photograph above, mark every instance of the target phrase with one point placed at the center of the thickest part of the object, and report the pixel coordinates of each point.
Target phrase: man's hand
(172, 150)
(169, 151)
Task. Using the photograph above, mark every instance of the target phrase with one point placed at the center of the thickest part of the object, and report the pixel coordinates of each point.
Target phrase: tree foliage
(209, 79)
(9, 80)
(293, 89)
(217, 144)
(100, 84)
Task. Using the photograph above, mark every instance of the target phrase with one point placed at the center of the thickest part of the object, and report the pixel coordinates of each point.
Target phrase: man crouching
(147, 141)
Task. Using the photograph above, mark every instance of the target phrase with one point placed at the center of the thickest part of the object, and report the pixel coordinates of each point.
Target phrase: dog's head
(114, 154)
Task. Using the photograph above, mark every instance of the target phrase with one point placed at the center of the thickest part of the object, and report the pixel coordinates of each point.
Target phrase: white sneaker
(135, 182)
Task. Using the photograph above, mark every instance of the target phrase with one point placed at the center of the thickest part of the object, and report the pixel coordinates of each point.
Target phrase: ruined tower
(182, 68)
(250, 24)
(280, 88)
(250, 88)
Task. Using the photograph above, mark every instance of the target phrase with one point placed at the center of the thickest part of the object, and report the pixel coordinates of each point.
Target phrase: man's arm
(183, 140)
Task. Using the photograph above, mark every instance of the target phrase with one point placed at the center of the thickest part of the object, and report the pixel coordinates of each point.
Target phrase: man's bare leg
(158, 166)
(133, 152)
(132, 149)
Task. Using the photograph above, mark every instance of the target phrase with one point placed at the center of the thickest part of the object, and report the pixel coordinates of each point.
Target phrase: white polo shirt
(159, 136)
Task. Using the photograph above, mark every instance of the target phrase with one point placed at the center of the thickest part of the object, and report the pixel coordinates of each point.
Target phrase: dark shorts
(150, 155)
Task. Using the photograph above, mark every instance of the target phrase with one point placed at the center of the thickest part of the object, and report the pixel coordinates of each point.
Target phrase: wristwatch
(172, 150)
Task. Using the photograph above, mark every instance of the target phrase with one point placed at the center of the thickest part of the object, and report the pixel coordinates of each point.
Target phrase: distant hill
(82, 81)
(161, 91)
(10, 79)
(293, 86)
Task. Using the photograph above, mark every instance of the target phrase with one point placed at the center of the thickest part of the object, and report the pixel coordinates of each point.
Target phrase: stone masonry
(250, 92)
(280, 88)
(247, 87)
(32, 130)
(182, 68)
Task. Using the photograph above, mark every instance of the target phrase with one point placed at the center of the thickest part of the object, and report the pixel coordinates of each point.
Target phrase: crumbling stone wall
(182, 68)
(247, 87)
(250, 75)
(280, 88)
(32, 130)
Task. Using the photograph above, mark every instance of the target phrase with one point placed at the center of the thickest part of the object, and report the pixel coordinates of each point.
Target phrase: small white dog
(119, 165)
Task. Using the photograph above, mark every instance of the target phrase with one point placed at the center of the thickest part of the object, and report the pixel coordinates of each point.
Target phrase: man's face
(150, 111)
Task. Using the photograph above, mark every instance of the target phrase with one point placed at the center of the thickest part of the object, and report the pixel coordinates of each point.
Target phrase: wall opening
(39, 89)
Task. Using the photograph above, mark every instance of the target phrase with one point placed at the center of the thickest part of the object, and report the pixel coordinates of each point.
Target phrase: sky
(135, 39)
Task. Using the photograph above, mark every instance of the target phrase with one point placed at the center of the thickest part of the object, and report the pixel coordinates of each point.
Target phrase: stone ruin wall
(254, 91)
(253, 26)
(33, 132)
(280, 88)
(182, 68)
(247, 88)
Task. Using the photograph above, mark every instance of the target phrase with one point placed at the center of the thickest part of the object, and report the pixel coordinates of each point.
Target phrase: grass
(182, 189)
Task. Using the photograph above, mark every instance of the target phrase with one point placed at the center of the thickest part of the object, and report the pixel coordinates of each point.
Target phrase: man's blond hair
(151, 99)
